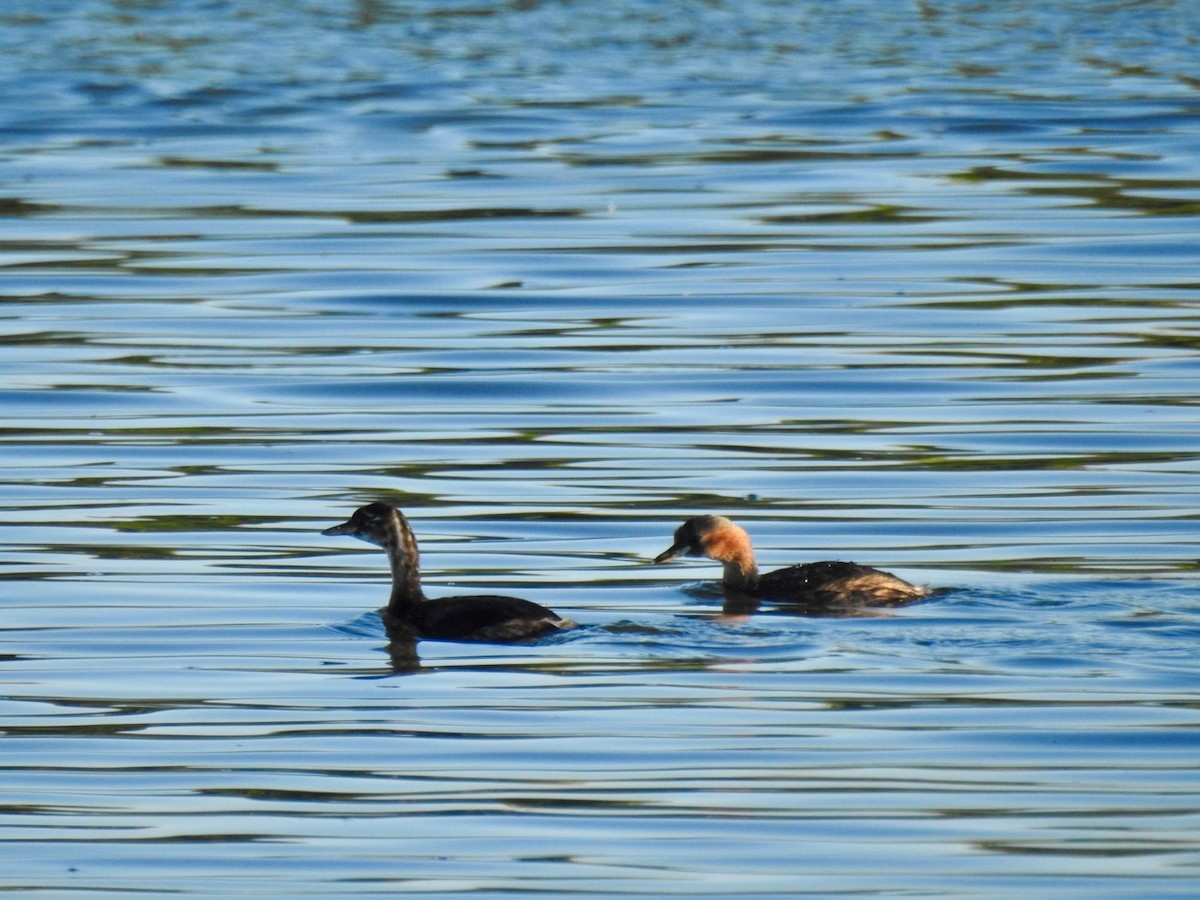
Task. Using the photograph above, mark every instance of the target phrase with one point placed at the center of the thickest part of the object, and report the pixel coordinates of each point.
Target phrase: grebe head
(713, 536)
(376, 524)
(385, 526)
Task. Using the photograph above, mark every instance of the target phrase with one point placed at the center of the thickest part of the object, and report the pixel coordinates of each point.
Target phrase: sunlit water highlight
(911, 284)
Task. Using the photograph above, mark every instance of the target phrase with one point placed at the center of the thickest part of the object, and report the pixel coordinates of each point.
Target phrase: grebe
(828, 583)
(471, 618)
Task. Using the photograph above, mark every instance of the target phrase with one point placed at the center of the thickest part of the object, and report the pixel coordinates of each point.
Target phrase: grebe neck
(401, 547)
(741, 574)
(730, 545)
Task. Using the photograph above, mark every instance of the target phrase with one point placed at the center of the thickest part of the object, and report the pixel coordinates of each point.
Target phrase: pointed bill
(670, 553)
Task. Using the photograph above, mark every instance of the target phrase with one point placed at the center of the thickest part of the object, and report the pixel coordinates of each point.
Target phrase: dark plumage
(818, 584)
(474, 617)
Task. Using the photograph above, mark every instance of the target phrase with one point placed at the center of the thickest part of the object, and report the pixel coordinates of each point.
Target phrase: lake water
(914, 284)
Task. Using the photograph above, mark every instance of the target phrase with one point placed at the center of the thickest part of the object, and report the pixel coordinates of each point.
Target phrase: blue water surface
(913, 284)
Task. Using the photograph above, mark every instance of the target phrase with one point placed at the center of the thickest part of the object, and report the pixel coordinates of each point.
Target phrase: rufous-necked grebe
(482, 617)
(819, 584)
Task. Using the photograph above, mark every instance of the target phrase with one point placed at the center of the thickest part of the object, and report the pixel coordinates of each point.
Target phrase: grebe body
(819, 584)
(474, 617)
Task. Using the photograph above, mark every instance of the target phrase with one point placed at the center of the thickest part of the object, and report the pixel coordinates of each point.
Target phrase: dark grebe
(828, 583)
(471, 618)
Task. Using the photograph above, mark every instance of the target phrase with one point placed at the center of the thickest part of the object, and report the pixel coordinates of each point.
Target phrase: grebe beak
(670, 553)
(344, 528)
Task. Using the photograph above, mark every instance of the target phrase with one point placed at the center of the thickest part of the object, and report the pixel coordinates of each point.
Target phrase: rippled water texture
(914, 284)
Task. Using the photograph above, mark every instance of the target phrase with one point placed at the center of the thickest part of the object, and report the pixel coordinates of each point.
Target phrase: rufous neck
(731, 546)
